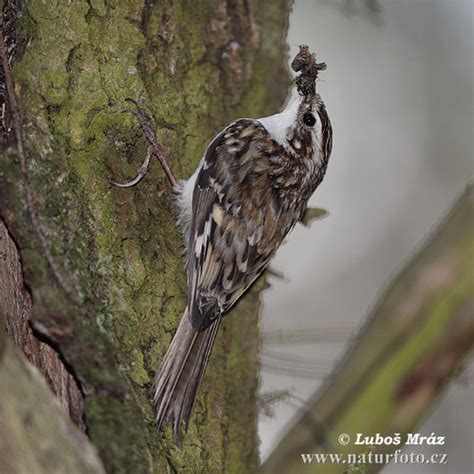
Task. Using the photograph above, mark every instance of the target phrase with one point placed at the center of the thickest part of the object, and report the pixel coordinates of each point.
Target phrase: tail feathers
(181, 372)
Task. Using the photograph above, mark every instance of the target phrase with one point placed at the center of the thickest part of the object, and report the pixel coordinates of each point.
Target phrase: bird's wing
(235, 223)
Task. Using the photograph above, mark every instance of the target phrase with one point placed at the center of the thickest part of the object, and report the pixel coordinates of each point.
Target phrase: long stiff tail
(181, 372)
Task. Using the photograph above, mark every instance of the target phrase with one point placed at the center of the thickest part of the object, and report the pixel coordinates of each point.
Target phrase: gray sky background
(399, 91)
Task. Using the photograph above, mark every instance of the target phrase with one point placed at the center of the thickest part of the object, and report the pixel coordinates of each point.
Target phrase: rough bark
(195, 66)
(35, 435)
(15, 305)
(399, 365)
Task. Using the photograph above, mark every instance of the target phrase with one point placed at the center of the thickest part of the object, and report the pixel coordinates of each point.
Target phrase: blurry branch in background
(417, 338)
(320, 335)
(289, 364)
(268, 400)
(371, 9)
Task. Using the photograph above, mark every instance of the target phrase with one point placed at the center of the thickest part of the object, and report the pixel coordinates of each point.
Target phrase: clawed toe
(129, 184)
(146, 120)
(148, 125)
(141, 172)
(130, 111)
(140, 110)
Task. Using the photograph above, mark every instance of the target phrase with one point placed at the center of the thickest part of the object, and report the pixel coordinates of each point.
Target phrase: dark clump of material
(305, 63)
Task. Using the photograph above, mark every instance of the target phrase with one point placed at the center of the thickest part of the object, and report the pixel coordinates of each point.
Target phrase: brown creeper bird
(249, 191)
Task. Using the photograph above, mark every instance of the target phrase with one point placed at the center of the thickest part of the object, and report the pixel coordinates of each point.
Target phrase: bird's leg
(148, 125)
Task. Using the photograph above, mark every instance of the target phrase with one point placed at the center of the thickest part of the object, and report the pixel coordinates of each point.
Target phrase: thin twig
(30, 203)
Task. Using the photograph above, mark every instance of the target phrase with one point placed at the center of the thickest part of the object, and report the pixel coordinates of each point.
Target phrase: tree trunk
(396, 369)
(103, 265)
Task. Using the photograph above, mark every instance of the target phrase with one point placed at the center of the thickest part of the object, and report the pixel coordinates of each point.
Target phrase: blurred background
(399, 91)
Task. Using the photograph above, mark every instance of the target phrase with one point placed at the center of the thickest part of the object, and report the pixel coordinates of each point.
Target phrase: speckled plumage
(250, 189)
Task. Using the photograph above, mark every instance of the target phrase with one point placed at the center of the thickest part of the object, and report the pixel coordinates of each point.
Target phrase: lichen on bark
(195, 67)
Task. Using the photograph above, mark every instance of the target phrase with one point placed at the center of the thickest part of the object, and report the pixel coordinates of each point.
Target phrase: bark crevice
(15, 305)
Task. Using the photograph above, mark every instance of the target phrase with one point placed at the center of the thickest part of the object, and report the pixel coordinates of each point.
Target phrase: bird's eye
(309, 119)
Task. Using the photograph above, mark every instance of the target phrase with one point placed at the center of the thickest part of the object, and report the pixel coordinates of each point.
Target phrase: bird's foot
(148, 125)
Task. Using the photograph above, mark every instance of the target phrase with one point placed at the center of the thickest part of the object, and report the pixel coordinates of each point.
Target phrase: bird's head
(303, 127)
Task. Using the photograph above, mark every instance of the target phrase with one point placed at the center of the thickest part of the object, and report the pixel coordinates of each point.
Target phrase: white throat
(277, 125)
